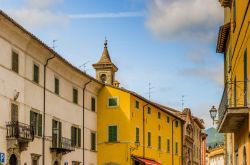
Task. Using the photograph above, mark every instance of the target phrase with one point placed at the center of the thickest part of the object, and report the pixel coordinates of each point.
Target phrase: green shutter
(112, 133)
(40, 122)
(56, 85)
(149, 139)
(36, 74)
(60, 134)
(32, 119)
(79, 137)
(137, 135)
(14, 112)
(75, 95)
(93, 141)
(168, 145)
(15, 63)
(73, 138)
(93, 104)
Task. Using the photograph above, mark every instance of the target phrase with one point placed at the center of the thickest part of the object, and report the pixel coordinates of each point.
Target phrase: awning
(222, 38)
(147, 161)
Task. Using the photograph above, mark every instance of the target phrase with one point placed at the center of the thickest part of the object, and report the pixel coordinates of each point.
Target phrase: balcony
(61, 145)
(21, 132)
(234, 106)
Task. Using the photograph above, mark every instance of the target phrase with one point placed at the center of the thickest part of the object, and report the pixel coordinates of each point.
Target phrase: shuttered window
(159, 142)
(15, 62)
(176, 123)
(14, 112)
(56, 133)
(113, 102)
(75, 95)
(137, 135)
(75, 137)
(93, 141)
(112, 130)
(168, 119)
(137, 104)
(168, 145)
(149, 139)
(36, 123)
(36, 73)
(176, 148)
(149, 110)
(57, 87)
(93, 104)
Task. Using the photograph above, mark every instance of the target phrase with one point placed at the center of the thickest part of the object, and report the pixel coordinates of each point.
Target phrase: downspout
(83, 115)
(182, 147)
(143, 129)
(44, 106)
(173, 141)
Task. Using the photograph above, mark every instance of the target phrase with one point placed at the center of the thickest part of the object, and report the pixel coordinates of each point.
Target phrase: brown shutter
(72, 137)
(14, 112)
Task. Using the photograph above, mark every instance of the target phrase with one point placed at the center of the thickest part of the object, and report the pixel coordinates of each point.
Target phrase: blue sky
(170, 43)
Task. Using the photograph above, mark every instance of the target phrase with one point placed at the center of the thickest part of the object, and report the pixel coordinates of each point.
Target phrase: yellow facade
(128, 116)
(235, 120)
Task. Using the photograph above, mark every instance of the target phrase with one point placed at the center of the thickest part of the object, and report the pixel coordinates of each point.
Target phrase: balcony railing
(19, 131)
(61, 145)
(235, 98)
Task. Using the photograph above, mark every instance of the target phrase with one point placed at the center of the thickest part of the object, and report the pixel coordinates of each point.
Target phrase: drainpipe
(83, 115)
(173, 141)
(44, 106)
(143, 129)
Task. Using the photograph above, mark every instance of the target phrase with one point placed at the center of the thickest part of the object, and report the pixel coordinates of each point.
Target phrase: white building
(53, 113)
(216, 156)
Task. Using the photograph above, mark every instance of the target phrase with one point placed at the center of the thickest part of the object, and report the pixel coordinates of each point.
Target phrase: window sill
(114, 142)
(93, 151)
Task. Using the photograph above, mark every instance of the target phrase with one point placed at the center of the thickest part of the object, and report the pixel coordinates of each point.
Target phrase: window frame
(117, 100)
(75, 98)
(108, 137)
(38, 73)
(77, 142)
(137, 104)
(95, 106)
(13, 67)
(56, 89)
(38, 122)
(93, 148)
(149, 139)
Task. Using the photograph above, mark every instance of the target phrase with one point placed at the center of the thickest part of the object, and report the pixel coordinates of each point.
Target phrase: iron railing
(61, 145)
(20, 131)
(235, 96)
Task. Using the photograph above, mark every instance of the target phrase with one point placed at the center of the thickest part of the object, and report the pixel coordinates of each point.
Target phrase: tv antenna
(54, 45)
(149, 90)
(182, 101)
(84, 66)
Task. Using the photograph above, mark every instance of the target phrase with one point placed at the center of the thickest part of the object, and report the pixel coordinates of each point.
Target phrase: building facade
(132, 129)
(216, 156)
(192, 138)
(233, 43)
(48, 107)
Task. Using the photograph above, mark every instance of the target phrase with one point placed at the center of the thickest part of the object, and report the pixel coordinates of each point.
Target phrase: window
(168, 120)
(14, 112)
(234, 15)
(176, 147)
(149, 139)
(36, 73)
(149, 110)
(112, 130)
(113, 102)
(245, 78)
(93, 141)
(235, 92)
(159, 115)
(75, 96)
(176, 123)
(93, 104)
(75, 136)
(57, 85)
(34, 162)
(76, 163)
(159, 142)
(137, 104)
(36, 122)
(137, 135)
(168, 145)
(56, 133)
(15, 62)
(35, 159)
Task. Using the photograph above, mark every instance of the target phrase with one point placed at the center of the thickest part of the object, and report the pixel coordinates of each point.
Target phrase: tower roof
(105, 58)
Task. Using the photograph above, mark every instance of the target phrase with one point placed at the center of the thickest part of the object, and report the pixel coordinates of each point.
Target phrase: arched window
(244, 156)
(103, 78)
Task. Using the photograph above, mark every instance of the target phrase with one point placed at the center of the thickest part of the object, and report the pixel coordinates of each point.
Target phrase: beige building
(216, 156)
(192, 138)
(42, 96)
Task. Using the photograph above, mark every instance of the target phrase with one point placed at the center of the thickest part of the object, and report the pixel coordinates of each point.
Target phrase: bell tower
(105, 69)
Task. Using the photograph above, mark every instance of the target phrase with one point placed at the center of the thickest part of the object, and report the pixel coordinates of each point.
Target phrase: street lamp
(213, 113)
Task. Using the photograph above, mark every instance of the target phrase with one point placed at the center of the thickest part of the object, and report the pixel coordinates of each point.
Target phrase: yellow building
(233, 42)
(216, 156)
(132, 129)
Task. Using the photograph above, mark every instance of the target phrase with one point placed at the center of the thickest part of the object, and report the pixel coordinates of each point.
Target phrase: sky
(169, 43)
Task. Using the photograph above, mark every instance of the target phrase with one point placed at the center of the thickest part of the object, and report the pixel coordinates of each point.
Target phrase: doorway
(13, 160)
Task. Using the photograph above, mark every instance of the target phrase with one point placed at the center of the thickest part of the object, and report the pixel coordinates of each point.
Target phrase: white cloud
(36, 18)
(184, 19)
(106, 15)
(42, 4)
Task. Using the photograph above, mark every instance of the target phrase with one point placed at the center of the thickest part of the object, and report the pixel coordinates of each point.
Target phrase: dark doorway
(13, 160)
(137, 163)
(56, 163)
